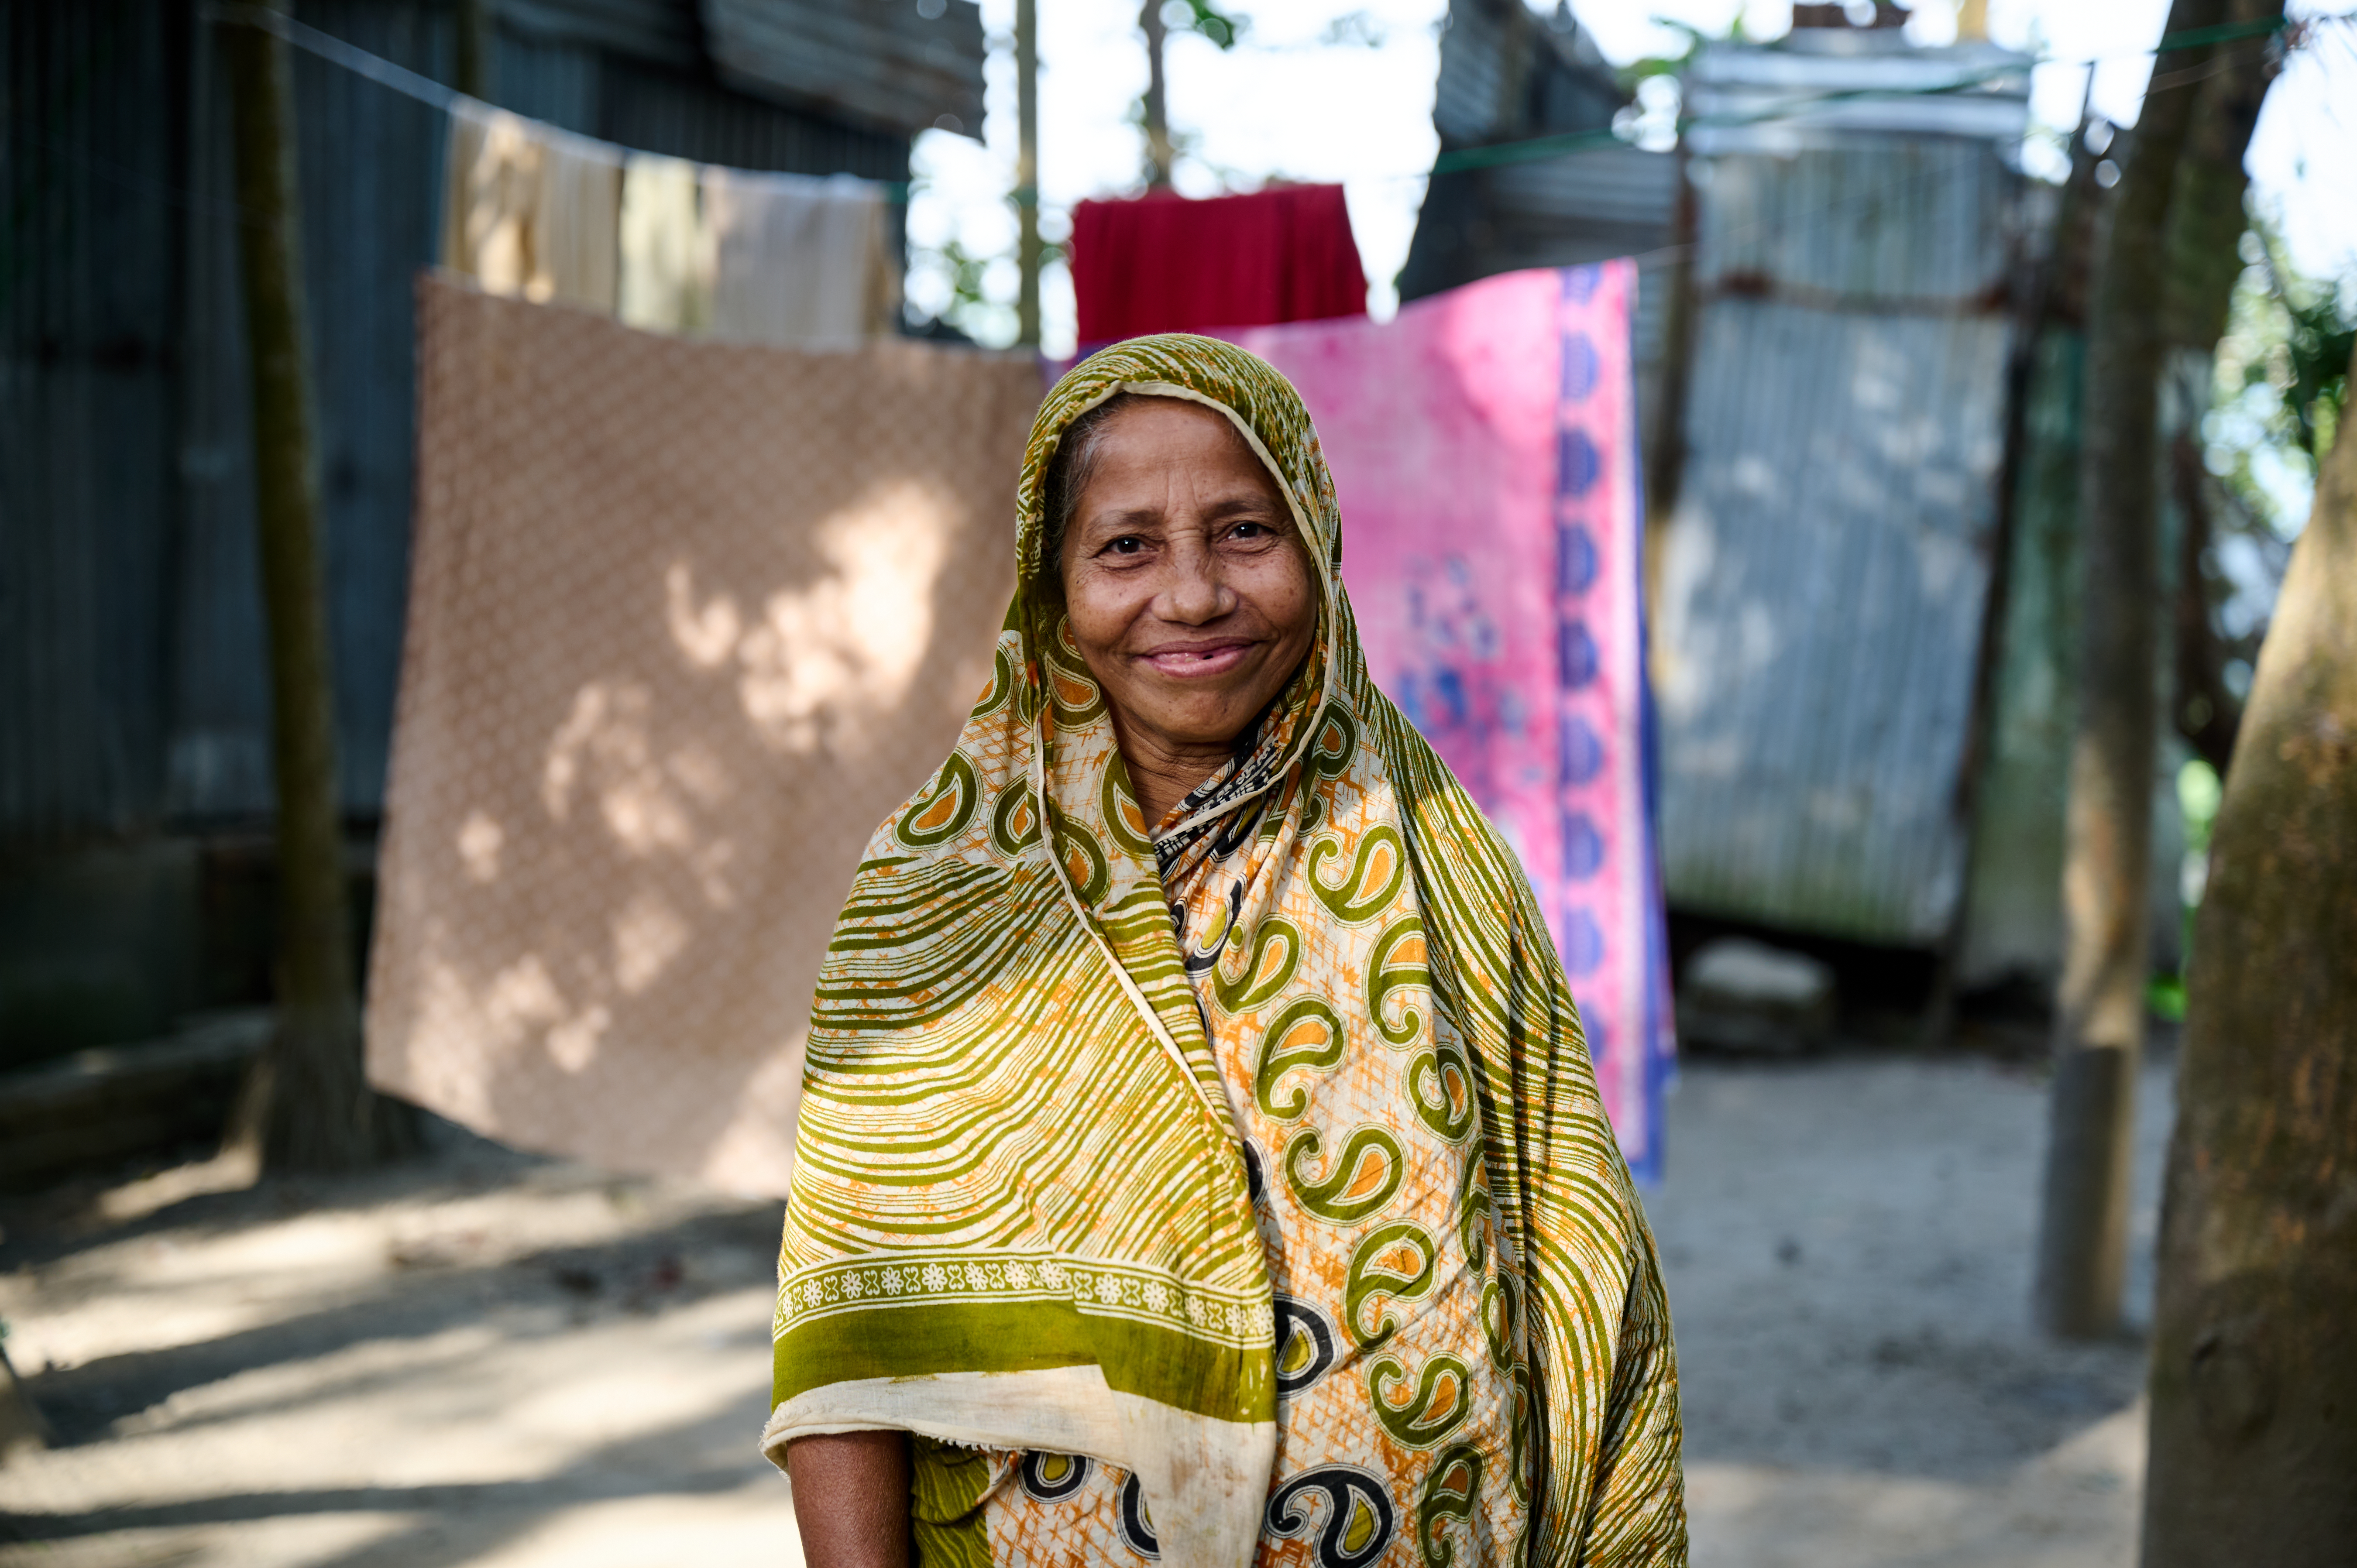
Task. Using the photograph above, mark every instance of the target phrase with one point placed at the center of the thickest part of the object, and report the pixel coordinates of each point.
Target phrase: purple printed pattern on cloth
(1484, 450)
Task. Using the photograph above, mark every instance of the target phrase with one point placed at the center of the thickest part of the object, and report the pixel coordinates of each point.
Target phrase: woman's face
(1190, 594)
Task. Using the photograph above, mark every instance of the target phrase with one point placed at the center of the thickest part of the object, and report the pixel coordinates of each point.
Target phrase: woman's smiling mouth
(1195, 660)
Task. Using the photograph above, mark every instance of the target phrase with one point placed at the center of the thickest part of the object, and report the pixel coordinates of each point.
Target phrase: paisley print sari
(1225, 1190)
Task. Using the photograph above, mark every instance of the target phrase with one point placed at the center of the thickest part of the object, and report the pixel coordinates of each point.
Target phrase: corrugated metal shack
(133, 709)
(1825, 572)
(1861, 240)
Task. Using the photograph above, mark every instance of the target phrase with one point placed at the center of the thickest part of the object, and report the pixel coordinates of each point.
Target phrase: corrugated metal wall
(89, 177)
(2015, 873)
(368, 159)
(1824, 575)
(2014, 927)
(132, 688)
(1917, 224)
(892, 64)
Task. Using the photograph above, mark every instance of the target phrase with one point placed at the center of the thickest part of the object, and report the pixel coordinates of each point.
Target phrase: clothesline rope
(399, 78)
(329, 48)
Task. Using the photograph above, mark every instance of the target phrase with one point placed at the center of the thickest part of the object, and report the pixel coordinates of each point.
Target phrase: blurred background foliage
(2280, 384)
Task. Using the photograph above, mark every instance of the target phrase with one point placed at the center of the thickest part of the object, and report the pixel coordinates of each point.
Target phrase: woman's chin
(1195, 717)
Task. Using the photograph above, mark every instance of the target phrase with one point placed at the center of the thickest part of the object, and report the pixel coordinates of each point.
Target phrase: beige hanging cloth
(686, 621)
(530, 210)
(800, 261)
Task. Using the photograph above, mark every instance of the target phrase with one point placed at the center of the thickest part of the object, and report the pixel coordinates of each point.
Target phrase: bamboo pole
(1159, 154)
(1027, 168)
(474, 18)
(308, 1105)
(1665, 463)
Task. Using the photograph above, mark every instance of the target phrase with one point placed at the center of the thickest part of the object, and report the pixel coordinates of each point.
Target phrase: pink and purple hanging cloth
(1484, 447)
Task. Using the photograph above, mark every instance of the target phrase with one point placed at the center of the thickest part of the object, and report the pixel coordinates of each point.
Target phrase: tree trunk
(1159, 156)
(2206, 222)
(308, 1105)
(2253, 1433)
(2099, 1024)
(2206, 217)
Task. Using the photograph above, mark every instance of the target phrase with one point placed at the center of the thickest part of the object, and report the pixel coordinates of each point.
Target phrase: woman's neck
(1163, 774)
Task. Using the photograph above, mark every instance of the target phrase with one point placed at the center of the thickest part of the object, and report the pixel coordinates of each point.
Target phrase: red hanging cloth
(1165, 263)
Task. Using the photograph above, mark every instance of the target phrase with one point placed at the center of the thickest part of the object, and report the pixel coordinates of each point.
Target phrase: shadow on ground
(488, 1360)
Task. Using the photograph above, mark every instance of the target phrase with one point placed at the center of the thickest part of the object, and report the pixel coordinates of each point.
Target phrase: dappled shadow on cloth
(687, 621)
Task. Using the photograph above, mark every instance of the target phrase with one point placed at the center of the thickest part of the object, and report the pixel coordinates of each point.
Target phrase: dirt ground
(492, 1360)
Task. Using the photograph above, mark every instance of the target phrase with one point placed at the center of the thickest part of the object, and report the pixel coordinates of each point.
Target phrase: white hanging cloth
(799, 261)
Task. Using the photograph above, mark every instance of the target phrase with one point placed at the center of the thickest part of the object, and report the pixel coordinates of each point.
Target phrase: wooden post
(2033, 291)
(22, 1425)
(1158, 155)
(1665, 462)
(2207, 220)
(475, 45)
(2107, 855)
(1027, 170)
(2253, 1423)
(308, 1105)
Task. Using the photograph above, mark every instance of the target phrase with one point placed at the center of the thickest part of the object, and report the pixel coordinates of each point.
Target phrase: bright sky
(1341, 89)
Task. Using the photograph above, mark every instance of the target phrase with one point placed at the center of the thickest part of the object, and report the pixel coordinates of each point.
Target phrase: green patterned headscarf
(1043, 1131)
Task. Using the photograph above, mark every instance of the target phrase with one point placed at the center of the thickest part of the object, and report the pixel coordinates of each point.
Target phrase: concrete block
(1744, 995)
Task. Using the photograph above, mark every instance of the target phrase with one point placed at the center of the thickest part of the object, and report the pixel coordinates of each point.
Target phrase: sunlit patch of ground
(2074, 1506)
(1848, 1243)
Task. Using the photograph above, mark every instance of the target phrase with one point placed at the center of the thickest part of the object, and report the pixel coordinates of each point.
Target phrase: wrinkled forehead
(1303, 508)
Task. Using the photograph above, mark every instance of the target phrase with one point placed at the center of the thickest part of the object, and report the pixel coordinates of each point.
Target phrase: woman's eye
(1127, 545)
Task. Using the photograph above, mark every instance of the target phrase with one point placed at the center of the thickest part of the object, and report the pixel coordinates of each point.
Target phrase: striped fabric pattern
(1090, 1168)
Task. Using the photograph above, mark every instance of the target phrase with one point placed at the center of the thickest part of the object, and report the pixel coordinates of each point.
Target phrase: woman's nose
(1195, 592)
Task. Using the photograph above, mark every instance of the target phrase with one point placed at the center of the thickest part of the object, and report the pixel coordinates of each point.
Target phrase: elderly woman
(1199, 1158)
